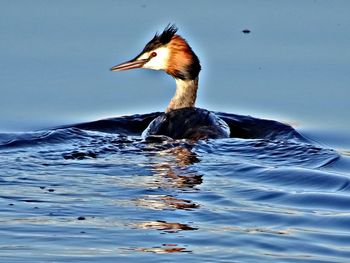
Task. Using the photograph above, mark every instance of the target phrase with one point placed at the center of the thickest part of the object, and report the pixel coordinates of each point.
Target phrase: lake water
(97, 192)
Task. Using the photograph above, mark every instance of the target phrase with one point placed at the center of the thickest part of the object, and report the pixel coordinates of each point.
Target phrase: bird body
(188, 123)
(171, 53)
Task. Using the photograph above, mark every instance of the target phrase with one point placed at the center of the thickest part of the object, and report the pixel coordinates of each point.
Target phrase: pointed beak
(134, 63)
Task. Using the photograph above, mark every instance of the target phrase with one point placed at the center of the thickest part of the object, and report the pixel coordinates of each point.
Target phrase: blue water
(98, 192)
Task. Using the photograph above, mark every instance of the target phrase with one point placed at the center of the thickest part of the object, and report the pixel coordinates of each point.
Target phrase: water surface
(99, 192)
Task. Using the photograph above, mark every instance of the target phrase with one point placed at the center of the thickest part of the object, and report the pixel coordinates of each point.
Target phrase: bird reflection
(165, 248)
(169, 227)
(165, 202)
(172, 173)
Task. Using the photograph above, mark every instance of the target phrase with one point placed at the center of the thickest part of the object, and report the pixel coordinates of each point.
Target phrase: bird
(171, 53)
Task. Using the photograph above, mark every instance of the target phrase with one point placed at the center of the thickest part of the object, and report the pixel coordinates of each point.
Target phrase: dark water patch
(79, 155)
(127, 125)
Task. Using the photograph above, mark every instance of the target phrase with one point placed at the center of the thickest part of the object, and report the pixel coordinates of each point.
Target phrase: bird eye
(153, 54)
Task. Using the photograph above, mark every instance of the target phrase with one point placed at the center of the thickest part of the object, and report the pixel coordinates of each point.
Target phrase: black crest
(162, 39)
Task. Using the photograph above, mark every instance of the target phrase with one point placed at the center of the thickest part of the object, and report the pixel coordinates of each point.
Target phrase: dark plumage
(162, 39)
(189, 123)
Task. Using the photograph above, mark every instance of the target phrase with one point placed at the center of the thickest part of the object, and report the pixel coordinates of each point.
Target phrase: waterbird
(171, 53)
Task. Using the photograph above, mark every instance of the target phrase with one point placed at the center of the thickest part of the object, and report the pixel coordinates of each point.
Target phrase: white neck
(185, 95)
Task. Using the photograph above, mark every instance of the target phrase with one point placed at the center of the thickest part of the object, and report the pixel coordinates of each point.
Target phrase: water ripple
(100, 192)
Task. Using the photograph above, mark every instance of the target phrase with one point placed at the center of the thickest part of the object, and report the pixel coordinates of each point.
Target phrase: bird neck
(185, 95)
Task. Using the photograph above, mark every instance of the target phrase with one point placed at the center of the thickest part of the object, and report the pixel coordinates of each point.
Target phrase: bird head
(168, 52)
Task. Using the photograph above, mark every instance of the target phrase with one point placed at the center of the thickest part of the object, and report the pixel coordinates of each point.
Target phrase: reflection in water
(165, 248)
(165, 202)
(345, 152)
(168, 227)
(172, 173)
(184, 156)
(257, 230)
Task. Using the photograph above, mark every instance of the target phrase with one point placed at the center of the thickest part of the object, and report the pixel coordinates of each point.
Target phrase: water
(55, 60)
(98, 192)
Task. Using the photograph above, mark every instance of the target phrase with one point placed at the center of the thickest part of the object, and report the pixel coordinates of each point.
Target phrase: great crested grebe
(171, 53)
